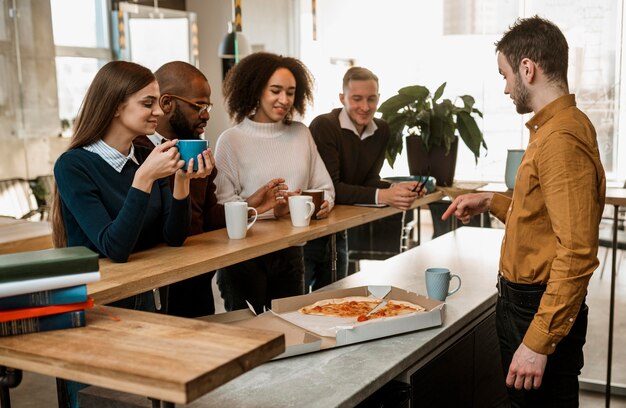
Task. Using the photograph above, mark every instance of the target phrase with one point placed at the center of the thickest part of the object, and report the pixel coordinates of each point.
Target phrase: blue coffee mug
(438, 283)
(190, 149)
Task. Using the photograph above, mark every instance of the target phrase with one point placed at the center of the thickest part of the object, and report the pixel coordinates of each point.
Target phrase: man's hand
(466, 206)
(526, 369)
(399, 195)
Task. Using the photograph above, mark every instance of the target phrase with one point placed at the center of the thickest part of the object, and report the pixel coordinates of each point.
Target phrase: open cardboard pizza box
(303, 333)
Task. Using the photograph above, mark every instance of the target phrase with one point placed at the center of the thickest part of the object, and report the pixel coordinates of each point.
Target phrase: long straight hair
(114, 83)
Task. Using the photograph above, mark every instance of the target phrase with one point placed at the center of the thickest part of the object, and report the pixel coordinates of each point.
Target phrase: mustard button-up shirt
(551, 233)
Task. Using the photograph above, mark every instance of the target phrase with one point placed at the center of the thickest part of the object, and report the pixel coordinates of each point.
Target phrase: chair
(43, 187)
(17, 200)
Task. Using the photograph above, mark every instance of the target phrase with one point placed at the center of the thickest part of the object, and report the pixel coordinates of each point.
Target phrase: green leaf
(394, 104)
(468, 102)
(415, 91)
(470, 133)
(439, 92)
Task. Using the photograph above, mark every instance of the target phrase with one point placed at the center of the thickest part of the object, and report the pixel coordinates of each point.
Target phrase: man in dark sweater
(352, 144)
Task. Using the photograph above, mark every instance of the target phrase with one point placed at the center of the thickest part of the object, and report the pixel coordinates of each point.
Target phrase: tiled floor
(38, 391)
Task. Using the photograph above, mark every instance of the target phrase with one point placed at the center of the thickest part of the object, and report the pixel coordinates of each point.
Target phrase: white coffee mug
(301, 209)
(237, 219)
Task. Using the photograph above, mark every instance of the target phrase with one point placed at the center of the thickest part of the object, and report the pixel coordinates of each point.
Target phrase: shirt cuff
(499, 206)
(376, 197)
(539, 341)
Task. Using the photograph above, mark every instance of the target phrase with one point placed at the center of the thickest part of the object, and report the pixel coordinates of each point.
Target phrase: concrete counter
(347, 375)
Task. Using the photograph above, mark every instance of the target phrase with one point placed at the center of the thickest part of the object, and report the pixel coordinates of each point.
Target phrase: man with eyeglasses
(186, 103)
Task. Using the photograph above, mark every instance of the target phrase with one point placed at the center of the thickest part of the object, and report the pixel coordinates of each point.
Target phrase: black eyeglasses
(201, 107)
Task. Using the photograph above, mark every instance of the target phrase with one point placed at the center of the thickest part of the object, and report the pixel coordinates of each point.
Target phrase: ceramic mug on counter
(318, 198)
(301, 208)
(438, 283)
(237, 224)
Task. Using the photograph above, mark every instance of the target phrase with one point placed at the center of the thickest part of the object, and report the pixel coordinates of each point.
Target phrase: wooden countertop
(152, 355)
(202, 253)
(23, 235)
(615, 196)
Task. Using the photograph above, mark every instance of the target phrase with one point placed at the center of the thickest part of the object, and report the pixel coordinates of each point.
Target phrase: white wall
(267, 26)
(29, 119)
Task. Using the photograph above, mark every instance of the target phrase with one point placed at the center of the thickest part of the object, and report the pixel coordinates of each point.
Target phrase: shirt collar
(346, 123)
(156, 139)
(110, 155)
(548, 112)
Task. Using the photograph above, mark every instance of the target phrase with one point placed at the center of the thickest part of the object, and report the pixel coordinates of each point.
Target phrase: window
(406, 43)
(82, 47)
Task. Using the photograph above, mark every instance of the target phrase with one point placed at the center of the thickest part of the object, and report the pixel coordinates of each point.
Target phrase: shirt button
(571, 320)
(536, 127)
(553, 344)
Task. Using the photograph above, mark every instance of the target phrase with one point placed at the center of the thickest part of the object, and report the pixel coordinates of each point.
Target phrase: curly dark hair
(245, 82)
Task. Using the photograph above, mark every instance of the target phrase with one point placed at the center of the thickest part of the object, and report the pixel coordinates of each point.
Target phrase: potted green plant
(431, 125)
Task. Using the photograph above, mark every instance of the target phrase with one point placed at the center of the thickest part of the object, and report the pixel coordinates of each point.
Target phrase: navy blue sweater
(103, 212)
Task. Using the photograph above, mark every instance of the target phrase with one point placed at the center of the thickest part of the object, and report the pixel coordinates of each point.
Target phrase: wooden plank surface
(616, 196)
(201, 253)
(22, 235)
(163, 357)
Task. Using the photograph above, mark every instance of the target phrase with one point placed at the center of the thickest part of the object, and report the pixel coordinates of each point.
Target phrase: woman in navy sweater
(112, 197)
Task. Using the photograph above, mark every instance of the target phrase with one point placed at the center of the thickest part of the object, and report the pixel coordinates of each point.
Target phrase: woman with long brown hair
(112, 197)
(115, 198)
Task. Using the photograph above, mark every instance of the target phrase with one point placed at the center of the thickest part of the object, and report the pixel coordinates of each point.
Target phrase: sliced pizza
(353, 306)
(360, 308)
(393, 308)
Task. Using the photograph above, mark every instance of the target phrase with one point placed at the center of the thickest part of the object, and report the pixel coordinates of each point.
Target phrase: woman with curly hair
(262, 94)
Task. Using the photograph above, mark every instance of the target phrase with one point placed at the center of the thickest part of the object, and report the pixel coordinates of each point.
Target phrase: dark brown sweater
(353, 164)
(206, 213)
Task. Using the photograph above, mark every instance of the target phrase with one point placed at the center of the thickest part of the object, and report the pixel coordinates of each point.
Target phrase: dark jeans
(192, 297)
(317, 261)
(559, 386)
(259, 280)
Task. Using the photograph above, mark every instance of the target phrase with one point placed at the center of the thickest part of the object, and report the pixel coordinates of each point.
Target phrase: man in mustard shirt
(550, 245)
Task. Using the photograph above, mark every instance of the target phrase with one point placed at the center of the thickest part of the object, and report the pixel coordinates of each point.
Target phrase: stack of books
(45, 290)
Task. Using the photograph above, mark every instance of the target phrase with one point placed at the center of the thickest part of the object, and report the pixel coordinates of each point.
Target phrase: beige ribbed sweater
(252, 153)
